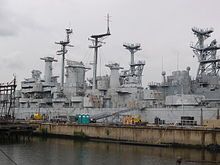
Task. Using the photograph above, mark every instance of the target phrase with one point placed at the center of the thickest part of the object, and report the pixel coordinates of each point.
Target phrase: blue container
(79, 119)
(83, 119)
(87, 119)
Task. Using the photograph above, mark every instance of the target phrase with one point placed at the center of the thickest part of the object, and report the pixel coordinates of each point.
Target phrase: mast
(206, 54)
(97, 43)
(63, 52)
(133, 48)
(134, 75)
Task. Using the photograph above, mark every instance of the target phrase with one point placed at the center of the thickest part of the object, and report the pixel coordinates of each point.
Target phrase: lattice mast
(206, 54)
(63, 52)
(97, 43)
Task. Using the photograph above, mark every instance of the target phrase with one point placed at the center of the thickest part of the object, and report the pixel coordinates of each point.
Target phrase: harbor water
(76, 152)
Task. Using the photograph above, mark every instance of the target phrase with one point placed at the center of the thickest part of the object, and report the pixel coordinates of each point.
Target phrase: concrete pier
(147, 135)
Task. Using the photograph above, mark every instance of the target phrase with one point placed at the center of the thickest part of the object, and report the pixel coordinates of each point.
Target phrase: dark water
(74, 152)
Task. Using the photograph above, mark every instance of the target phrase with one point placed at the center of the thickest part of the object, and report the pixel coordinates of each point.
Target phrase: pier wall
(149, 135)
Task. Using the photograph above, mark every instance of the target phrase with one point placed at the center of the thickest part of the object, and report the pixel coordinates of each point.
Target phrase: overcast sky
(29, 28)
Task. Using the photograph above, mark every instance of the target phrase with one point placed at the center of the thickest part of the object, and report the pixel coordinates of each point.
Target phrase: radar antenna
(133, 48)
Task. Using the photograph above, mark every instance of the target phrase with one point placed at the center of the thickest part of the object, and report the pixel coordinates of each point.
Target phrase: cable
(8, 157)
(100, 64)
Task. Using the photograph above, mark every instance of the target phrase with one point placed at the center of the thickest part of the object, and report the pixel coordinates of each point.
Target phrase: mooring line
(8, 157)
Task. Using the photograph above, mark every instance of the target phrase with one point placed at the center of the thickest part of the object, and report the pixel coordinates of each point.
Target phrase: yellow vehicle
(37, 116)
(131, 120)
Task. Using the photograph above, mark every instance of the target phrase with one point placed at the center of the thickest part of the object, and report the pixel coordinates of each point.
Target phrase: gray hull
(170, 115)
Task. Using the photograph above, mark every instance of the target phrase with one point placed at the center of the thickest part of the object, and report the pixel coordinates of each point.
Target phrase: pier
(11, 132)
(192, 137)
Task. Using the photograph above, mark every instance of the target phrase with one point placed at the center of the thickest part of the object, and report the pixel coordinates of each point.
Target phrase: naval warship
(121, 92)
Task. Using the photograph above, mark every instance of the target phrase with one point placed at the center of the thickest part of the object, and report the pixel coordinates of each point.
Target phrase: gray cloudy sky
(29, 28)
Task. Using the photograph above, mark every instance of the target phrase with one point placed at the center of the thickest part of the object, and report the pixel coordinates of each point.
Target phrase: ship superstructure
(207, 81)
(119, 89)
(36, 91)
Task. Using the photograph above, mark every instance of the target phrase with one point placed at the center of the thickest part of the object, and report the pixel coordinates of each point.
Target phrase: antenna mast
(63, 52)
(208, 63)
(133, 48)
(97, 43)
